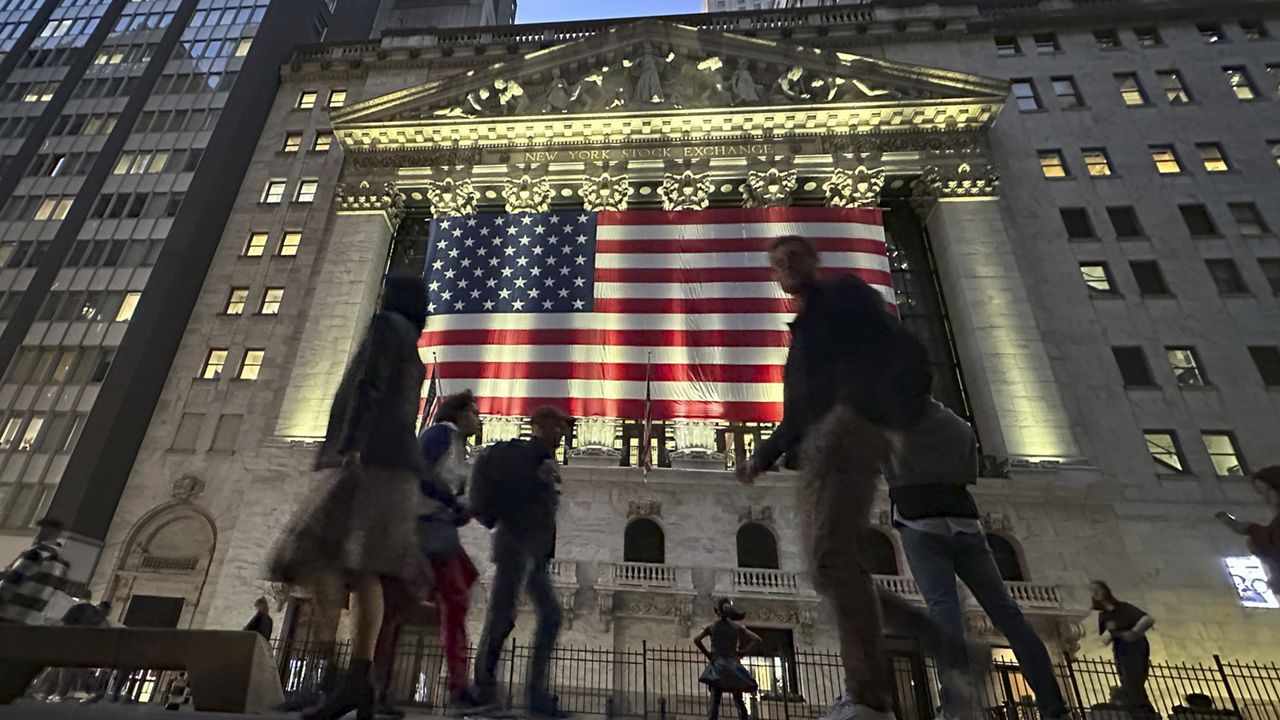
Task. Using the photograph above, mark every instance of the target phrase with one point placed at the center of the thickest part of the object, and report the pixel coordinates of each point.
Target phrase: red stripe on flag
(665, 372)
(743, 244)
(660, 409)
(695, 306)
(738, 216)
(624, 338)
(744, 274)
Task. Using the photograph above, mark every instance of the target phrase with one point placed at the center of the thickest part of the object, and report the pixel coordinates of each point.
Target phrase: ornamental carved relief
(679, 609)
(644, 508)
(768, 188)
(605, 192)
(760, 514)
(1069, 636)
(686, 191)
(859, 187)
(187, 488)
(368, 198)
(802, 618)
(527, 194)
(961, 181)
(451, 197)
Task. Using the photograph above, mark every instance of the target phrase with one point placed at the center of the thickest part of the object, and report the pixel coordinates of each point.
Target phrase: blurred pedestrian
(1264, 540)
(261, 621)
(1124, 627)
(34, 578)
(724, 672)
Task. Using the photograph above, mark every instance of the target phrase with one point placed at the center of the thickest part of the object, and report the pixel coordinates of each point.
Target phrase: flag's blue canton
(503, 263)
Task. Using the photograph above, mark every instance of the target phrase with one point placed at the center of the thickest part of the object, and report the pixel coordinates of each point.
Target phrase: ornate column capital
(527, 194)
(686, 190)
(768, 188)
(452, 196)
(606, 191)
(857, 187)
(965, 180)
(367, 198)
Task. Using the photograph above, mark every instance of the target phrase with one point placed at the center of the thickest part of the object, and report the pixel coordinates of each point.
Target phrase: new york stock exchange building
(1076, 201)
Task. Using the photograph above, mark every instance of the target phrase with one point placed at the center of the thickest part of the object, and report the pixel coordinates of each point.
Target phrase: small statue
(648, 81)
(791, 85)
(558, 96)
(743, 86)
(724, 672)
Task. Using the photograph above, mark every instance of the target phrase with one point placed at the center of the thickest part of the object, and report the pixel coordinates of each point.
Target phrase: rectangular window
(273, 192)
(214, 362)
(128, 304)
(1149, 278)
(1254, 30)
(1097, 278)
(323, 141)
(1271, 270)
(188, 431)
(1274, 147)
(1239, 82)
(1148, 37)
(1164, 449)
(337, 98)
(1077, 222)
(1131, 91)
(1198, 220)
(1166, 160)
(1046, 43)
(1024, 93)
(46, 208)
(1267, 359)
(236, 300)
(1186, 367)
(242, 47)
(307, 191)
(271, 300)
(1211, 33)
(1226, 276)
(256, 245)
(292, 142)
(1133, 367)
(306, 100)
(1248, 218)
(1107, 39)
(1124, 220)
(1224, 453)
(251, 364)
(1213, 157)
(1052, 164)
(227, 432)
(290, 243)
(1067, 92)
(1096, 162)
(1007, 46)
(1175, 90)
(32, 433)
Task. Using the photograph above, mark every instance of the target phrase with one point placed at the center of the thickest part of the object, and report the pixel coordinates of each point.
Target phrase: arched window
(757, 547)
(876, 552)
(1006, 558)
(643, 542)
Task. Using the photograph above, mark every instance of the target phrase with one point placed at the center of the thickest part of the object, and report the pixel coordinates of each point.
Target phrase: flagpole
(646, 462)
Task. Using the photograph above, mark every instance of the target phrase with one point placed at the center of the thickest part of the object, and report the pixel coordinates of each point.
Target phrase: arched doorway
(1007, 558)
(757, 547)
(643, 541)
(163, 568)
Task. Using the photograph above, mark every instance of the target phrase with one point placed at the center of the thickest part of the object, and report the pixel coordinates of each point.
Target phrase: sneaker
(469, 702)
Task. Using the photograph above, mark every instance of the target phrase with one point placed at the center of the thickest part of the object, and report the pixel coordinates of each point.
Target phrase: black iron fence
(657, 683)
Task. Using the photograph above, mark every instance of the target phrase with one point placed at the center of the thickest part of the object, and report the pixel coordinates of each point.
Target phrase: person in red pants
(445, 481)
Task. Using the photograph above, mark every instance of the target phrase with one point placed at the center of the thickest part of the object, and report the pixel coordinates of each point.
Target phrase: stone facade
(1081, 497)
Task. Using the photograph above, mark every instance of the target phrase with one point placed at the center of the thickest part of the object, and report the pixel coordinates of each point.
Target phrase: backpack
(503, 481)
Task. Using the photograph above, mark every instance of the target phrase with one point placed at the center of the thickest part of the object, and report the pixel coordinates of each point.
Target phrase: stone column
(1008, 375)
(344, 293)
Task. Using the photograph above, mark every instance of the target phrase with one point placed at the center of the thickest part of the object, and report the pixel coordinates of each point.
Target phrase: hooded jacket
(375, 409)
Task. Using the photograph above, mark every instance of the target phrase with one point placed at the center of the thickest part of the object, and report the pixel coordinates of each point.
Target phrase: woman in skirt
(359, 526)
(725, 673)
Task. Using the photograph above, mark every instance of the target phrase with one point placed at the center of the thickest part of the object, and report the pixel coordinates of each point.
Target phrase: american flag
(567, 307)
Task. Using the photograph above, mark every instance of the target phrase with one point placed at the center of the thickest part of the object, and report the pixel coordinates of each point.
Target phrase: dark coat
(375, 410)
(846, 347)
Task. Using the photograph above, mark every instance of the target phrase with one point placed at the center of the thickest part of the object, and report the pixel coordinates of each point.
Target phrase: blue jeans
(514, 568)
(936, 561)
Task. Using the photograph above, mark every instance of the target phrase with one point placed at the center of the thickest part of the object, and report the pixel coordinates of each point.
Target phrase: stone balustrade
(644, 576)
(764, 582)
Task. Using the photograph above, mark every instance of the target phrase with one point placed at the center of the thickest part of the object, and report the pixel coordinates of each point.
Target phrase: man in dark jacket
(852, 373)
(261, 622)
(524, 541)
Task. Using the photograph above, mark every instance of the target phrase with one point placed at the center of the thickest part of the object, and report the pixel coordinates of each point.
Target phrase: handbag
(438, 534)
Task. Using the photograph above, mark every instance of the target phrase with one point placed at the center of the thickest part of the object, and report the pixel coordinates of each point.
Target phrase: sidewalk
(52, 711)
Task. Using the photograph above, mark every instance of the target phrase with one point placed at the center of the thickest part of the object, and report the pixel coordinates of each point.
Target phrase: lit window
(1077, 223)
(45, 210)
(1213, 158)
(1166, 159)
(1271, 270)
(214, 362)
(1131, 89)
(1175, 91)
(158, 160)
(1211, 33)
(1052, 164)
(1226, 276)
(1199, 221)
(1163, 447)
(63, 207)
(251, 364)
(256, 245)
(274, 191)
(1186, 367)
(1148, 37)
(1007, 46)
(1249, 219)
(307, 190)
(337, 98)
(128, 305)
(323, 141)
(306, 99)
(1024, 93)
(1106, 39)
(292, 142)
(11, 428)
(289, 243)
(1274, 146)
(1241, 85)
(1224, 453)
(1067, 92)
(1254, 30)
(242, 47)
(1046, 43)
(1097, 278)
(1267, 359)
(1096, 162)
(236, 300)
(271, 300)
(32, 433)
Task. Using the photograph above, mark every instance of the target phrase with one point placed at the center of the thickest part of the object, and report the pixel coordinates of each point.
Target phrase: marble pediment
(654, 66)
